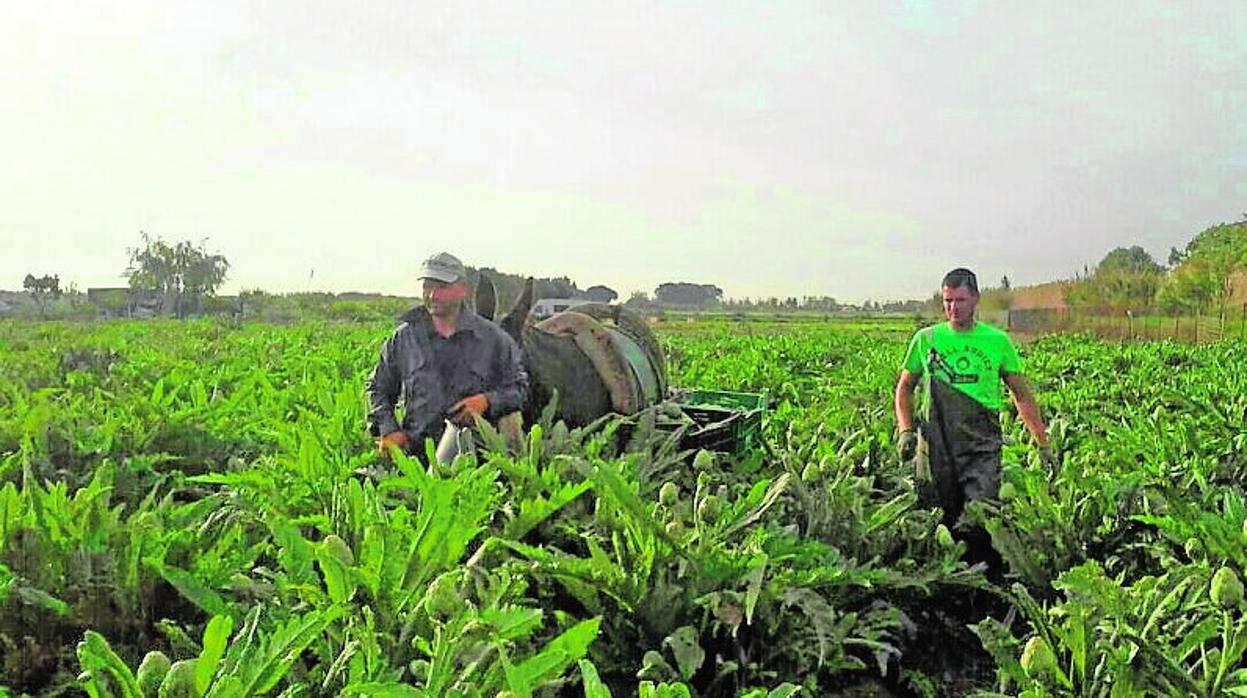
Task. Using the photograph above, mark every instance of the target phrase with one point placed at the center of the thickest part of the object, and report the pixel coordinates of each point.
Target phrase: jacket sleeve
(512, 388)
(383, 388)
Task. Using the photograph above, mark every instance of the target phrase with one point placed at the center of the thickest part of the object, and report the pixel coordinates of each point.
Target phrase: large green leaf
(686, 648)
(594, 688)
(193, 590)
(338, 579)
(561, 652)
(216, 635)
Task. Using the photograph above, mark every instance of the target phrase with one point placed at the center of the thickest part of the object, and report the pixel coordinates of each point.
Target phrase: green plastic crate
(726, 421)
(723, 398)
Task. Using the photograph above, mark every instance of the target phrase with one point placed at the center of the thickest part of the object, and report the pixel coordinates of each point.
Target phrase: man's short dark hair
(961, 277)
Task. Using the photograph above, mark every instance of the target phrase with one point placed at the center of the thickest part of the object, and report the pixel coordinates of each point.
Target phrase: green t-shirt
(972, 361)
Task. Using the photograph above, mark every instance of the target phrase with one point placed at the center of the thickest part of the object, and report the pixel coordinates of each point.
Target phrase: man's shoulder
(996, 340)
(411, 325)
(414, 317)
(487, 329)
(928, 332)
(993, 333)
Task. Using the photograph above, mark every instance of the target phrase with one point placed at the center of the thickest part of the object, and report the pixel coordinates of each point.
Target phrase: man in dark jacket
(446, 362)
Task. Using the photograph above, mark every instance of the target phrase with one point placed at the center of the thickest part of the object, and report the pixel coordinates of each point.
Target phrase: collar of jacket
(419, 318)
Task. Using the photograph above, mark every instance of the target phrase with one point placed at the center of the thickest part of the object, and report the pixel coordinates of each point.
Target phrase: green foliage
(43, 289)
(195, 491)
(1128, 260)
(1127, 279)
(185, 270)
(1206, 271)
(684, 294)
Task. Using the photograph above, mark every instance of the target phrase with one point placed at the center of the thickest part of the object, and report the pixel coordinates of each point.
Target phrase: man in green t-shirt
(961, 364)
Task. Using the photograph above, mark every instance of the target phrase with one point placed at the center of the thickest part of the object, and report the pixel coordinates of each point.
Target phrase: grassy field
(186, 493)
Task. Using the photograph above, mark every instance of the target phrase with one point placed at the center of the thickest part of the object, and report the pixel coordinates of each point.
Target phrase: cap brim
(442, 276)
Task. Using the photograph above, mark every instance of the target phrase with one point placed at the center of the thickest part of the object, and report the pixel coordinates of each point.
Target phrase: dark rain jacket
(430, 374)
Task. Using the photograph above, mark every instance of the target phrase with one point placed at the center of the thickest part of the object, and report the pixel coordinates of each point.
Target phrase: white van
(545, 307)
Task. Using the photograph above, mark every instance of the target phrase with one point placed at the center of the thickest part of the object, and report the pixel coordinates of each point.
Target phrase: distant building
(545, 307)
(129, 302)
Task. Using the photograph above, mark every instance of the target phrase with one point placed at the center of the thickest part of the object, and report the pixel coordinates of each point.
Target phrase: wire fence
(1228, 322)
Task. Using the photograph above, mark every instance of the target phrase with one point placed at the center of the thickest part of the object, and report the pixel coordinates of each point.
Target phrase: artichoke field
(184, 512)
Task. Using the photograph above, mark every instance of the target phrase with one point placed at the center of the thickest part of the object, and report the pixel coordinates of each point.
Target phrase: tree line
(1210, 272)
(182, 279)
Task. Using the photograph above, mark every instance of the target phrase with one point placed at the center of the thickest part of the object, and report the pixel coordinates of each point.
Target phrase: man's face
(959, 305)
(444, 300)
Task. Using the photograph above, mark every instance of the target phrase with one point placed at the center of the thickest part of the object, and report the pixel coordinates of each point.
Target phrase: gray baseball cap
(444, 267)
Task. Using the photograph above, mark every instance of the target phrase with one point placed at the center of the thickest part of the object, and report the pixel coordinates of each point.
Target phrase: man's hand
(394, 438)
(465, 412)
(907, 444)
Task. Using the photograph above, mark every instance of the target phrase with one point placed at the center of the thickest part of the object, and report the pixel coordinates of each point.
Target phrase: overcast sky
(772, 148)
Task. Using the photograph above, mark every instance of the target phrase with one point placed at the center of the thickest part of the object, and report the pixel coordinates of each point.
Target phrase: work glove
(465, 412)
(394, 438)
(907, 444)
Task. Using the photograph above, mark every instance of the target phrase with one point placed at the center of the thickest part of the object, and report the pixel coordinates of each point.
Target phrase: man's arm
(383, 388)
(1028, 409)
(904, 400)
(512, 389)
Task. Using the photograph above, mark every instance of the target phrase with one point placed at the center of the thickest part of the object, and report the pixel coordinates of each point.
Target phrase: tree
(1127, 279)
(1004, 283)
(42, 289)
(600, 294)
(1208, 267)
(683, 293)
(1130, 260)
(185, 271)
(637, 299)
(558, 287)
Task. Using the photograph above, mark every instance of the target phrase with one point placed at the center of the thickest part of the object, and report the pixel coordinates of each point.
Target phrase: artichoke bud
(1038, 658)
(708, 510)
(704, 460)
(442, 599)
(152, 671)
(339, 549)
(179, 682)
(1227, 588)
